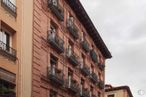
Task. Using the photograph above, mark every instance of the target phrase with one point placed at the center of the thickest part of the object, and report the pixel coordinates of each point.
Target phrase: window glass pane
(111, 95)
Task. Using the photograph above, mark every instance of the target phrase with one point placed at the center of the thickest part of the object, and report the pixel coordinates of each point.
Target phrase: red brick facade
(42, 50)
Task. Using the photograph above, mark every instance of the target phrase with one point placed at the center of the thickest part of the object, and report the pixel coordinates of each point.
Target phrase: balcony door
(53, 62)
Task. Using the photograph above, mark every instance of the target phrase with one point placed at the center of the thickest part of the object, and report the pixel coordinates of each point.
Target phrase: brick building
(50, 48)
(68, 53)
(120, 91)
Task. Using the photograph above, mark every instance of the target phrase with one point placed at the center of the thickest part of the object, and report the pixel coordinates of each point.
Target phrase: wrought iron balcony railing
(85, 70)
(101, 67)
(72, 29)
(73, 86)
(56, 76)
(85, 93)
(94, 56)
(85, 46)
(8, 5)
(56, 42)
(7, 51)
(93, 77)
(56, 9)
(101, 84)
(72, 57)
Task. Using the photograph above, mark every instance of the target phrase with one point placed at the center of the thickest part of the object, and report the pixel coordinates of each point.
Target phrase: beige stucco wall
(15, 24)
(117, 93)
(26, 59)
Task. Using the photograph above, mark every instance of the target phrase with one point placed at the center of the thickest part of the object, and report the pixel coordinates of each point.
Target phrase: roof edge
(89, 26)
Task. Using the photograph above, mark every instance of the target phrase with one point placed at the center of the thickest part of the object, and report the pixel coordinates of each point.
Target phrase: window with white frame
(5, 39)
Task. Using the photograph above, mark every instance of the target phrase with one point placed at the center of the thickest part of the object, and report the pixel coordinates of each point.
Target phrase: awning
(7, 76)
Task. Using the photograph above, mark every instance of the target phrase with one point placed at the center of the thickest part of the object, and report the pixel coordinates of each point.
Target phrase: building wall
(13, 24)
(118, 93)
(26, 44)
(42, 16)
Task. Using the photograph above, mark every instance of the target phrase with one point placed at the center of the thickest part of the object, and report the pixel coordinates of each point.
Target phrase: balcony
(101, 67)
(56, 9)
(85, 70)
(73, 86)
(72, 57)
(93, 56)
(7, 51)
(85, 46)
(72, 29)
(56, 42)
(9, 6)
(93, 77)
(85, 93)
(56, 76)
(101, 84)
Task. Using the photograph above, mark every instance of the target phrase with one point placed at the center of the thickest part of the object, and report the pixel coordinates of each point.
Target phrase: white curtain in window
(0, 36)
(69, 80)
(13, 1)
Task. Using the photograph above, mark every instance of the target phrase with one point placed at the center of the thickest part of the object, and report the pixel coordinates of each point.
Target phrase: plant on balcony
(94, 56)
(72, 29)
(56, 9)
(85, 46)
(56, 42)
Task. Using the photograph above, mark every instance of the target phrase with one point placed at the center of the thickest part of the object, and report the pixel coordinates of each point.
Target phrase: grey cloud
(122, 25)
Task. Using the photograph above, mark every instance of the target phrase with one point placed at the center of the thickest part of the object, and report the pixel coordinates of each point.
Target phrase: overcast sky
(122, 25)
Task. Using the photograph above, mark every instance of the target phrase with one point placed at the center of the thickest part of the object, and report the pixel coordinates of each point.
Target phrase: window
(70, 48)
(91, 91)
(70, 77)
(70, 20)
(92, 68)
(99, 94)
(53, 30)
(53, 62)
(82, 61)
(82, 85)
(7, 88)
(5, 39)
(112, 95)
